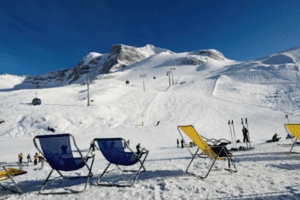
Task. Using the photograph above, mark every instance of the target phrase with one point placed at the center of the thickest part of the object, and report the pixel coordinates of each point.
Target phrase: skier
(182, 141)
(177, 143)
(128, 142)
(36, 157)
(157, 123)
(20, 158)
(138, 148)
(245, 131)
(28, 159)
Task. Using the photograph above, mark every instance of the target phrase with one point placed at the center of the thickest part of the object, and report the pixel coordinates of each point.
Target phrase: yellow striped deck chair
(213, 152)
(294, 129)
(9, 174)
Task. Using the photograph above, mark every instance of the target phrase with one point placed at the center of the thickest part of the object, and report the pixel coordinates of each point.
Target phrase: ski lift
(36, 101)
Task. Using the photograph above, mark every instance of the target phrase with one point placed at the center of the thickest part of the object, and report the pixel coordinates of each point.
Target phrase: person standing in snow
(92, 146)
(182, 141)
(245, 134)
(28, 159)
(128, 142)
(138, 148)
(177, 143)
(20, 158)
(36, 157)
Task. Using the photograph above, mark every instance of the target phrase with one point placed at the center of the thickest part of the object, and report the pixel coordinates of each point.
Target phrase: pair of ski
(233, 138)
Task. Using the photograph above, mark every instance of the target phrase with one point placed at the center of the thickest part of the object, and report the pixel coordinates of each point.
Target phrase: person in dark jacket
(245, 134)
(92, 146)
(28, 159)
(177, 143)
(182, 141)
(138, 148)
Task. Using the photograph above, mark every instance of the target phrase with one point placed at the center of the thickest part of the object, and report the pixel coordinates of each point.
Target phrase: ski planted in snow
(246, 122)
(231, 134)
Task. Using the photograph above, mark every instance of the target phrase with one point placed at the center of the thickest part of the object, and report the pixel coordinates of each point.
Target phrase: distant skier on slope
(245, 134)
(138, 148)
(182, 141)
(28, 159)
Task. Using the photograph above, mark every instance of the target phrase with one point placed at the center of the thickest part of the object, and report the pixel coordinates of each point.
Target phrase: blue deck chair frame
(57, 151)
(113, 150)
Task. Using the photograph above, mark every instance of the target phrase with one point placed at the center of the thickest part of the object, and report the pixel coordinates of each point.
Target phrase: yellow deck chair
(294, 129)
(9, 174)
(213, 152)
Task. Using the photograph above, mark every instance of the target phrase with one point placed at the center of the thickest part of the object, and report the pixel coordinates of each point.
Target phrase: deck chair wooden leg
(98, 181)
(295, 142)
(229, 161)
(198, 176)
(19, 191)
(40, 192)
(137, 171)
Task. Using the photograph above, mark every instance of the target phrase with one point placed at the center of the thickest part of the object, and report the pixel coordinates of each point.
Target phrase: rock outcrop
(211, 53)
(190, 61)
(119, 57)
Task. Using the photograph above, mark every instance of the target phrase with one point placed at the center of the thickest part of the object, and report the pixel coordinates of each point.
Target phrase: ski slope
(205, 96)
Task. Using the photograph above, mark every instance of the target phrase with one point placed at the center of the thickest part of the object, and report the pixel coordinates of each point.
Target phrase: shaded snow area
(205, 96)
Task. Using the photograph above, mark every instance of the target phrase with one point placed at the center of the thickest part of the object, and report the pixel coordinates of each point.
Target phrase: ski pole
(233, 133)
(287, 117)
(248, 133)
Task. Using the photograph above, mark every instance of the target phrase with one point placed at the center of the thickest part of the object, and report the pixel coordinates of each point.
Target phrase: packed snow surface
(205, 96)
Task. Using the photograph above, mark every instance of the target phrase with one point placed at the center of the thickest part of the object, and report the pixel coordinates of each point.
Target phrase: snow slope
(206, 96)
(9, 81)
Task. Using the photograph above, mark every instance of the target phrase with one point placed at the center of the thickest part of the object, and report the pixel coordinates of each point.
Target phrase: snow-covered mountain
(205, 90)
(97, 65)
(101, 66)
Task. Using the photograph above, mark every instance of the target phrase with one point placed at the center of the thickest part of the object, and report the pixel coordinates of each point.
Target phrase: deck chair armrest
(212, 140)
(144, 150)
(217, 142)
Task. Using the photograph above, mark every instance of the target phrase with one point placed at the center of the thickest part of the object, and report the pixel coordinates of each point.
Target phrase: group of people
(36, 158)
(182, 142)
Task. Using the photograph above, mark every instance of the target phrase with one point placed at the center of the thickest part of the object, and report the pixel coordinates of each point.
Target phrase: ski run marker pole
(248, 132)
(231, 133)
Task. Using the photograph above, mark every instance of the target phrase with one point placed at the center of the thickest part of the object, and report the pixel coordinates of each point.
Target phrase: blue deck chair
(113, 150)
(57, 151)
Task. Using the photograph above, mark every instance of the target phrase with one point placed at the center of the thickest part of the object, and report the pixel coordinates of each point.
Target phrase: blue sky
(40, 36)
